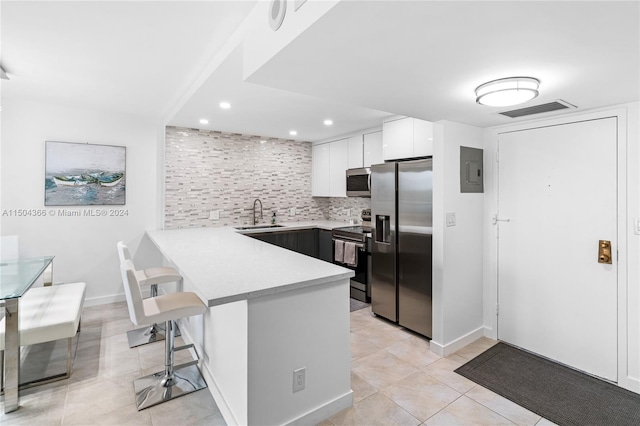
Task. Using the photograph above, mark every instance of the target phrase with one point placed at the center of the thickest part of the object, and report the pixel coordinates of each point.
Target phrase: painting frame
(84, 174)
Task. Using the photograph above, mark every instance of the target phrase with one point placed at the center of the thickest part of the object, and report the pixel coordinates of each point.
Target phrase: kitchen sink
(244, 228)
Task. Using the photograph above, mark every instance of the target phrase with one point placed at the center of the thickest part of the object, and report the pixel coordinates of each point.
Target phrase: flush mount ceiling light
(225, 105)
(293, 132)
(204, 121)
(328, 122)
(507, 91)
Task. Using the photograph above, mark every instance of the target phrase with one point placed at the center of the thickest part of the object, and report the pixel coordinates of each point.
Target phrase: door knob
(604, 251)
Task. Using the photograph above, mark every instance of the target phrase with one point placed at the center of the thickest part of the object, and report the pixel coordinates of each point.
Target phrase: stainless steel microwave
(359, 182)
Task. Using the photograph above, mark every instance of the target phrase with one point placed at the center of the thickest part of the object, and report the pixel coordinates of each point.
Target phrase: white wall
(84, 247)
(629, 243)
(458, 255)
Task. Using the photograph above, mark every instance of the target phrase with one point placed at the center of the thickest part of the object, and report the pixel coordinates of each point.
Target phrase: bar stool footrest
(186, 364)
(183, 347)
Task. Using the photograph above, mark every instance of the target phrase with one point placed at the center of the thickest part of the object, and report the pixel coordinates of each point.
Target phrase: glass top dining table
(16, 277)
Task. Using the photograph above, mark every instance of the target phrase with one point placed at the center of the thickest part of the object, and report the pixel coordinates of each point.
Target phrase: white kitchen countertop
(225, 266)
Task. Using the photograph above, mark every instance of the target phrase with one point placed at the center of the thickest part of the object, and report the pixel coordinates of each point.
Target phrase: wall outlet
(214, 214)
(292, 211)
(451, 219)
(298, 379)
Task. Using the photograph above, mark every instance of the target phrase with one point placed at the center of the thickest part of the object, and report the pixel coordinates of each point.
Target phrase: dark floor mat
(553, 391)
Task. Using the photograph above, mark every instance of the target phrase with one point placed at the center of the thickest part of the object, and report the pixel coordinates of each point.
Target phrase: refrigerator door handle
(383, 229)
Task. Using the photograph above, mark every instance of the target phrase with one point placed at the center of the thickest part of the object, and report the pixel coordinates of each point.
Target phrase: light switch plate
(451, 218)
(636, 225)
(214, 215)
(292, 211)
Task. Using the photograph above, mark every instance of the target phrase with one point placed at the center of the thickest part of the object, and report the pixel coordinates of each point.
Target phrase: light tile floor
(395, 378)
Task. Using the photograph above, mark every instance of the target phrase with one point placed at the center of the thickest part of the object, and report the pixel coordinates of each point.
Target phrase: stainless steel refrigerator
(401, 252)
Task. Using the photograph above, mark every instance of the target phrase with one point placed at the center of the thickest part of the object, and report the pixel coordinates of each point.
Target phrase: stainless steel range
(360, 240)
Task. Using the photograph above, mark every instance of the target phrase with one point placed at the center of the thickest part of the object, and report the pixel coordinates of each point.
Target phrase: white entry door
(557, 199)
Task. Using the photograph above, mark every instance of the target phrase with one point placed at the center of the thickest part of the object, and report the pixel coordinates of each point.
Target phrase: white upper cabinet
(355, 152)
(338, 165)
(320, 170)
(397, 139)
(329, 164)
(422, 138)
(406, 138)
(372, 149)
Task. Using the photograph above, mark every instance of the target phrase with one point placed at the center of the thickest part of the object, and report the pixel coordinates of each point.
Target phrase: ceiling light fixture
(293, 132)
(507, 91)
(225, 105)
(204, 121)
(328, 122)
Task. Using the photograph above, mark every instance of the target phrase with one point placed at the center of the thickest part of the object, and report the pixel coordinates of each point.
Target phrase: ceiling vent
(538, 109)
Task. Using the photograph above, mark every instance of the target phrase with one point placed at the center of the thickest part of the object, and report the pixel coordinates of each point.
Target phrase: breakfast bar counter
(271, 312)
(226, 266)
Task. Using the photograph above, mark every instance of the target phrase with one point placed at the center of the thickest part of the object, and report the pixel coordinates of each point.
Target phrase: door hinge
(497, 310)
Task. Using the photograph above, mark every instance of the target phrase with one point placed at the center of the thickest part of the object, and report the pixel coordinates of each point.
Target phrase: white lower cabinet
(406, 138)
(329, 164)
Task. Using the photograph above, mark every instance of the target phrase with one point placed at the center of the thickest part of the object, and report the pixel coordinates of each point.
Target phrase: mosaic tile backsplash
(207, 171)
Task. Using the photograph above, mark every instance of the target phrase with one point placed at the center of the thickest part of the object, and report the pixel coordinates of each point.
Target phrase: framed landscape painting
(80, 174)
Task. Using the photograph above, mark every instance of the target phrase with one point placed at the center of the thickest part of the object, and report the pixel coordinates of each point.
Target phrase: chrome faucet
(257, 200)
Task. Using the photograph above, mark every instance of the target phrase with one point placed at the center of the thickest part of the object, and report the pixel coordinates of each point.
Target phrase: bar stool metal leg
(173, 382)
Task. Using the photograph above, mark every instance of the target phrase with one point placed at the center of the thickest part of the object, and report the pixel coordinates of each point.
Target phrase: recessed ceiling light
(328, 122)
(204, 121)
(293, 132)
(225, 105)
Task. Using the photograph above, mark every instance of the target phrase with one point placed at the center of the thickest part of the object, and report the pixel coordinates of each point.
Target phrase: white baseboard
(459, 343)
(328, 410)
(104, 300)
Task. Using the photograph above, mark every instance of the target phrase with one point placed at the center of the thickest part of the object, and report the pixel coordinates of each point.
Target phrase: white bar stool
(174, 381)
(148, 277)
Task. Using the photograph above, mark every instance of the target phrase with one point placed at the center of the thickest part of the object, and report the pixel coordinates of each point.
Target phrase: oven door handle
(359, 245)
